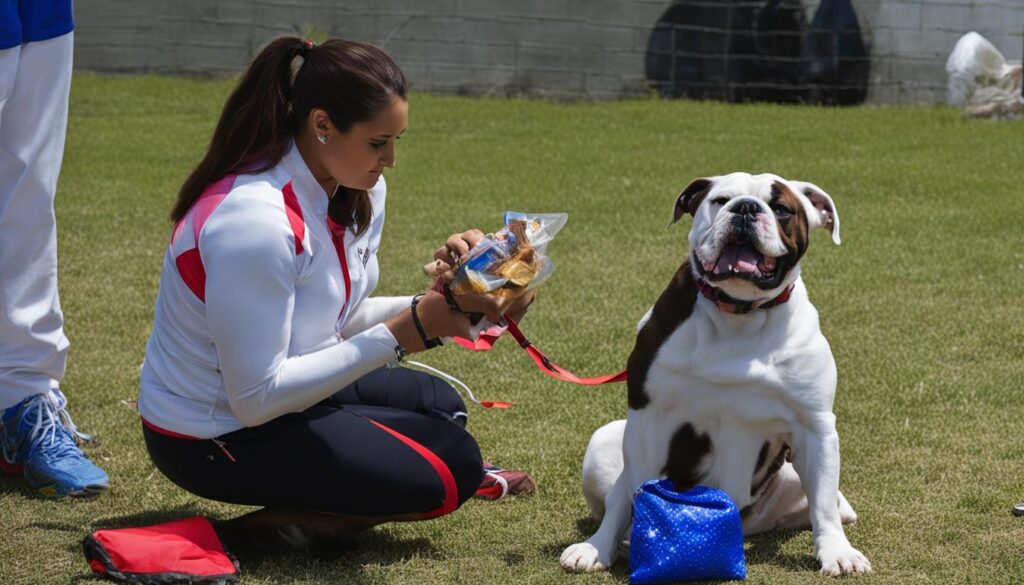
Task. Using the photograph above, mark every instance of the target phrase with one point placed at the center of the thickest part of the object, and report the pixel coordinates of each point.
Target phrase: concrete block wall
(910, 40)
(561, 49)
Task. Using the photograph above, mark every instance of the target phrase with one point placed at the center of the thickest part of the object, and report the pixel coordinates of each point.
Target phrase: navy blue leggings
(391, 443)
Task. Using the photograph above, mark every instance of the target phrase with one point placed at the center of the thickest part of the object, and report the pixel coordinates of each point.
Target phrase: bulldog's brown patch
(672, 308)
(794, 228)
(685, 453)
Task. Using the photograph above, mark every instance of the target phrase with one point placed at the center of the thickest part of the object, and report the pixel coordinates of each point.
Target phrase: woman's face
(356, 158)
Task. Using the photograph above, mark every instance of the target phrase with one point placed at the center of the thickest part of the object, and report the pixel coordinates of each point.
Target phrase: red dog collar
(727, 304)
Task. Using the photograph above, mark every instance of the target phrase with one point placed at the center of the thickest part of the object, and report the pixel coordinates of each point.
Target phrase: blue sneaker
(32, 434)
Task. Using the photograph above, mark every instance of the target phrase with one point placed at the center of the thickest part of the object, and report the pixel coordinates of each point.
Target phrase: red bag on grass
(181, 551)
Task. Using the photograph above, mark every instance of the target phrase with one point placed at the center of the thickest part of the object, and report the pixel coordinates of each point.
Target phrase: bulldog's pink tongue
(740, 258)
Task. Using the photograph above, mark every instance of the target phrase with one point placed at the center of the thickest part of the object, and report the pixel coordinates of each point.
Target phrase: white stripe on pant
(35, 81)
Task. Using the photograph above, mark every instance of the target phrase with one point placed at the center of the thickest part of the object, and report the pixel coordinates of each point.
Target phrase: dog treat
(512, 258)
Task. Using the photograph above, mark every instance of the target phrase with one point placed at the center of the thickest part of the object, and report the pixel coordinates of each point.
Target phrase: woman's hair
(351, 81)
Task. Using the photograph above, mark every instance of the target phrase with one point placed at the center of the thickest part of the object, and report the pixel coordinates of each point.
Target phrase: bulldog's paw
(842, 560)
(583, 557)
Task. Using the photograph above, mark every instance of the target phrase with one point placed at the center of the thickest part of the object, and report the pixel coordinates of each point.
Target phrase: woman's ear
(319, 123)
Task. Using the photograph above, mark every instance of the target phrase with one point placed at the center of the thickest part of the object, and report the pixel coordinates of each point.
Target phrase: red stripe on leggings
(451, 491)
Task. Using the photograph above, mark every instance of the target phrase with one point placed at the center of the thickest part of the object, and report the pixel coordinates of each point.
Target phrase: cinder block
(437, 27)
(938, 44)
(881, 94)
(495, 30)
(917, 95)
(945, 17)
(899, 15)
(553, 83)
(446, 77)
(555, 58)
(428, 7)
(535, 8)
(882, 43)
(233, 11)
(908, 42)
(988, 17)
(361, 27)
(929, 71)
(621, 12)
(624, 63)
(575, 32)
(454, 53)
(1014, 24)
(602, 87)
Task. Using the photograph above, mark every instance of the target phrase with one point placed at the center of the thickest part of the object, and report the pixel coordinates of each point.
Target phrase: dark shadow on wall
(759, 50)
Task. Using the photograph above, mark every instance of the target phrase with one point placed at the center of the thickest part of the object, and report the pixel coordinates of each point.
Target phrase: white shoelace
(60, 403)
(46, 426)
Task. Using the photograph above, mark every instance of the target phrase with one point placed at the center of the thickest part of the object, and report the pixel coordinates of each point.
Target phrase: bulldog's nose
(747, 207)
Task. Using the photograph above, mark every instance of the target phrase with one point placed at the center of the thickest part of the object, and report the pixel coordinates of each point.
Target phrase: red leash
(488, 338)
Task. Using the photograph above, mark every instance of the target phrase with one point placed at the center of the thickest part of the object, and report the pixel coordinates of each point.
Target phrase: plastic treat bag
(511, 259)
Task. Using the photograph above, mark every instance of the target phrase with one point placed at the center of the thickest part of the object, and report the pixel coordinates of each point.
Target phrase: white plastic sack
(981, 80)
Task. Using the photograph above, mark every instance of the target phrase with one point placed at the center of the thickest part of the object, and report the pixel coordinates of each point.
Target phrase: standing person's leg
(33, 348)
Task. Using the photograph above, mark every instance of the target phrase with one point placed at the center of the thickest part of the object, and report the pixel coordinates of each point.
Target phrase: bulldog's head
(750, 231)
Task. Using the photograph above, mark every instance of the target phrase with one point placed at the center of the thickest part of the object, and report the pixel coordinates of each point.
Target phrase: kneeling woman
(264, 380)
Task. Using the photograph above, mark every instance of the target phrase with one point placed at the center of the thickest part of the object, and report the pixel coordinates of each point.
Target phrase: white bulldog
(731, 382)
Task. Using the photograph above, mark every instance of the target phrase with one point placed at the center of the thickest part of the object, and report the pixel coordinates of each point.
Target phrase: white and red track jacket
(262, 309)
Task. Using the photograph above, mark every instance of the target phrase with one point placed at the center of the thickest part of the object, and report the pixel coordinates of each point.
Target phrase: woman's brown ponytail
(351, 81)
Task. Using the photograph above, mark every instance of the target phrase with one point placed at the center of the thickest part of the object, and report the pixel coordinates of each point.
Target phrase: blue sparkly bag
(684, 536)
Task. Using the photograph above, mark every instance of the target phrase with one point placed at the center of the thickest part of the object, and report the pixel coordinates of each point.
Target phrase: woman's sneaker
(33, 436)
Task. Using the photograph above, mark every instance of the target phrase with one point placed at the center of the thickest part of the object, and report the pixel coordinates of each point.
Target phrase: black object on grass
(1018, 510)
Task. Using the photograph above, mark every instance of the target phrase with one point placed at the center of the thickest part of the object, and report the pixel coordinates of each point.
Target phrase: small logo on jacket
(364, 255)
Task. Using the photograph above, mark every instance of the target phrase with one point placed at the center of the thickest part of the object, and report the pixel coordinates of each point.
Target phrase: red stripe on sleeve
(294, 211)
(190, 267)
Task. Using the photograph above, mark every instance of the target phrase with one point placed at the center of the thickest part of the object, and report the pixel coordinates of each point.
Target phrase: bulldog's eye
(781, 210)
(719, 200)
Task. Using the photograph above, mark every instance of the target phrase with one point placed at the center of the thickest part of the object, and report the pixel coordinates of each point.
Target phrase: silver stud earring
(323, 138)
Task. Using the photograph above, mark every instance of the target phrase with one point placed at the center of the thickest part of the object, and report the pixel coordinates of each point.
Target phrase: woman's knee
(467, 466)
(447, 401)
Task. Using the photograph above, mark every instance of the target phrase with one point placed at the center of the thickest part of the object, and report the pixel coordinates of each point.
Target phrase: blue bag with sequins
(684, 536)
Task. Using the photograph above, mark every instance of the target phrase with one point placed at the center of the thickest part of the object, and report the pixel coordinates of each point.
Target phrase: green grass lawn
(922, 305)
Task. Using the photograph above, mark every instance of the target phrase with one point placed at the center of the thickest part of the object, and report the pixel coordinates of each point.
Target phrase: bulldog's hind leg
(602, 465)
(784, 505)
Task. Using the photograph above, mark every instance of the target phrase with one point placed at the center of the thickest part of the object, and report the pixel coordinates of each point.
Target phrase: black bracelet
(428, 343)
(449, 298)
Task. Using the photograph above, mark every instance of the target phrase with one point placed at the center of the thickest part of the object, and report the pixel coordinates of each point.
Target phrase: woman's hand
(437, 319)
(521, 305)
(454, 249)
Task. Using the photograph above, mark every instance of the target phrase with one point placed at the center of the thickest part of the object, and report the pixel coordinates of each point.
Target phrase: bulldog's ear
(690, 199)
(826, 215)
